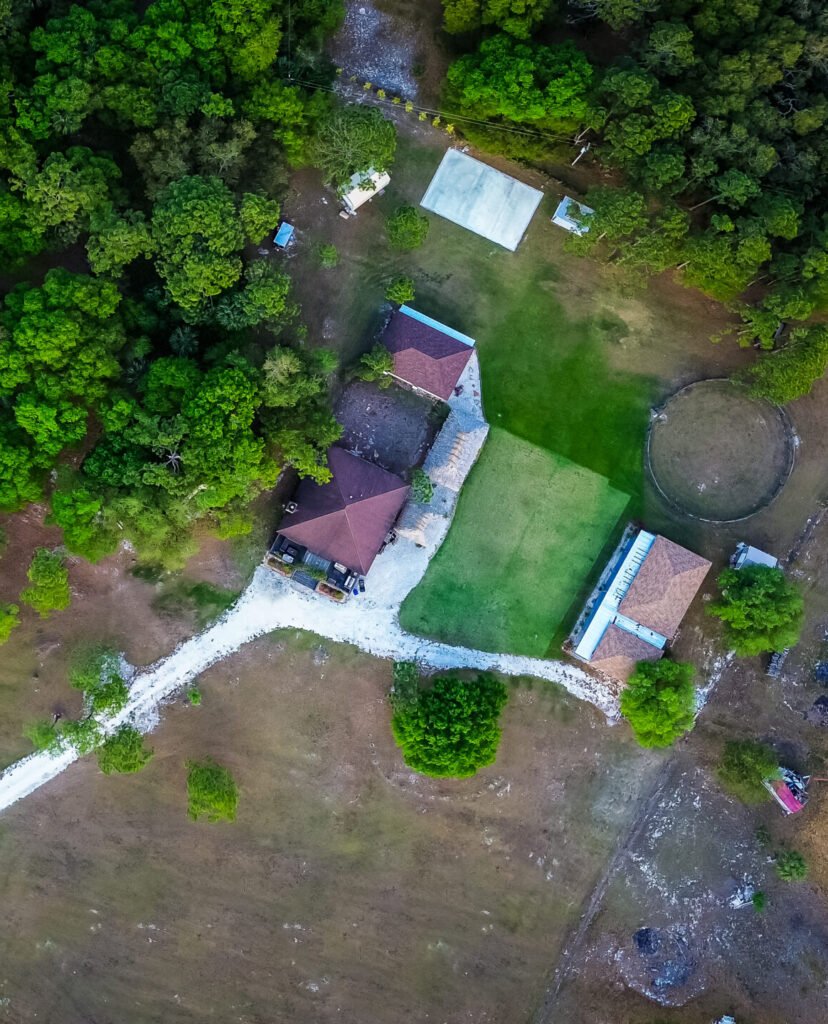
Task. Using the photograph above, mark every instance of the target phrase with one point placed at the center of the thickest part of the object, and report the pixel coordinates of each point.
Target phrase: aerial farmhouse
(638, 606)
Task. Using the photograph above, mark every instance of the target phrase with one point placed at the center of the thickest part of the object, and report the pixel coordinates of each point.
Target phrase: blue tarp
(284, 234)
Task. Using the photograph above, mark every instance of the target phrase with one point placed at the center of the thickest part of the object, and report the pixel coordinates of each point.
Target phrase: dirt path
(271, 603)
(626, 842)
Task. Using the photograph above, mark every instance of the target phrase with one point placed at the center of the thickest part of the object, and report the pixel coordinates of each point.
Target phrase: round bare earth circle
(718, 454)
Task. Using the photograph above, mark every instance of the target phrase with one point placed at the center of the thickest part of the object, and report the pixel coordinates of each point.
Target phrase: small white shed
(747, 555)
(362, 188)
(568, 213)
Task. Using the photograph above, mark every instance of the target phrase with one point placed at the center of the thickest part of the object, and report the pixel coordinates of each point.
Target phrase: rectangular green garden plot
(528, 529)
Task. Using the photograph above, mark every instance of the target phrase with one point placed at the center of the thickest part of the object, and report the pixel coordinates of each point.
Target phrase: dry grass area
(109, 606)
(348, 889)
(694, 846)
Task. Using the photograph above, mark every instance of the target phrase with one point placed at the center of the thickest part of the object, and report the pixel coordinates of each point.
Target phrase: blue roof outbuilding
(284, 235)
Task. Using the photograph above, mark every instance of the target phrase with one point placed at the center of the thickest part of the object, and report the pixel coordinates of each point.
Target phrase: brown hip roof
(347, 519)
(425, 357)
(619, 652)
(664, 587)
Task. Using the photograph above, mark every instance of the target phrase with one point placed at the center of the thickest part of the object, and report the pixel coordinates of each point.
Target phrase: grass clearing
(204, 601)
(529, 526)
(315, 905)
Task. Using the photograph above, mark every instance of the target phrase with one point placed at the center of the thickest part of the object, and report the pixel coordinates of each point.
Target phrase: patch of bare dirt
(390, 426)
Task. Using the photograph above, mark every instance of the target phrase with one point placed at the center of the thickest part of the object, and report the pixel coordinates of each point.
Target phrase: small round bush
(212, 792)
(400, 290)
(328, 256)
(9, 618)
(407, 228)
(791, 866)
(744, 766)
(123, 752)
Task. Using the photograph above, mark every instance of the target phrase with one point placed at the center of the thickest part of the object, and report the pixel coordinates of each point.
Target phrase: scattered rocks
(320, 655)
(817, 714)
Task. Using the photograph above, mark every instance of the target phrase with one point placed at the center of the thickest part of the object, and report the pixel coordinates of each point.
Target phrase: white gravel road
(369, 621)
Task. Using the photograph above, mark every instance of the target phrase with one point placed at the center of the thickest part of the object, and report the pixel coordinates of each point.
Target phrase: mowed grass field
(529, 526)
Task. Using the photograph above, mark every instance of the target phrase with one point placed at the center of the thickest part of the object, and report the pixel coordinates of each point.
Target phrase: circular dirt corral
(717, 454)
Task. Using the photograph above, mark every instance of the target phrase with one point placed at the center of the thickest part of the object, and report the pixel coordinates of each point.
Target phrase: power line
(528, 132)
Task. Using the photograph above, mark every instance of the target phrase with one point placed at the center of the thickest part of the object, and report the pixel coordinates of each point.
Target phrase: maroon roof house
(345, 521)
(428, 356)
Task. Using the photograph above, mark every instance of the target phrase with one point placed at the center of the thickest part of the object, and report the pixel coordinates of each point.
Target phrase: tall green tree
(762, 610)
(351, 140)
(198, 233)
(659, 701)
(451, 730)
(791, 373)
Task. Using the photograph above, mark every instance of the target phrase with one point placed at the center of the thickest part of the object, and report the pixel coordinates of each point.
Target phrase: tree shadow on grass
(547, 378)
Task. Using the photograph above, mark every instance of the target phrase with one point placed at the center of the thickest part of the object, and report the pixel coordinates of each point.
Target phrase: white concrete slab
(481, 199)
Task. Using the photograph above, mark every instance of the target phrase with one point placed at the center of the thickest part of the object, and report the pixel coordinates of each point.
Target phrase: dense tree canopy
(518, 17)
(450, 730)
(525, 82)
(155, 141)
(761, 609)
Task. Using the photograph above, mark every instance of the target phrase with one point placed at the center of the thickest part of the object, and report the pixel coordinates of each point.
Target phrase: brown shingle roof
(619, 651)
(664, 587)
(425, 357)
(347, 519)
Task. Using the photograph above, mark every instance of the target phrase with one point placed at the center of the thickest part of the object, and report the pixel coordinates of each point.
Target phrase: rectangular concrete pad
(482, 199)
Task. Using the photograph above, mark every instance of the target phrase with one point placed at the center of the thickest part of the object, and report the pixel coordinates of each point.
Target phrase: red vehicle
(788, 789)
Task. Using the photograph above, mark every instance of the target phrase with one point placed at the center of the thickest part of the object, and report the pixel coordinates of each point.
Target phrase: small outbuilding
(746, 555)
(569, 216)
(428, 356)
(638, 606)
(284, 236)
(362, 188)
(481, 199)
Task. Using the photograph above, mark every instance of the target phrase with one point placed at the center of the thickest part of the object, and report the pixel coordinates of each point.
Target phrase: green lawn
(528, 529)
